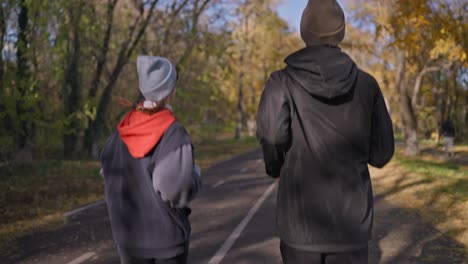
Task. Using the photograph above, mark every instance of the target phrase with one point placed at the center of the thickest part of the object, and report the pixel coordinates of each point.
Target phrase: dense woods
(418, 52)
(65, 63)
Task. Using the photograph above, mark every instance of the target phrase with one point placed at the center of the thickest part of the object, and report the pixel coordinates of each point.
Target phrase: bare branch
(102, 58)
(175, 13)
(419, 78)
(194, 31)
(142, 29)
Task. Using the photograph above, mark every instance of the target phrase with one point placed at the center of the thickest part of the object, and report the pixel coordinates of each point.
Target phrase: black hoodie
(321, 120)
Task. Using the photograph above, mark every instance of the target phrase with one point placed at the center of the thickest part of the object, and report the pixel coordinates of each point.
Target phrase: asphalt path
(233, 221)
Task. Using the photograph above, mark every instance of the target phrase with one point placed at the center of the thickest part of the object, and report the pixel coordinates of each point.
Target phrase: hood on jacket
(323, 71)
(142, 132)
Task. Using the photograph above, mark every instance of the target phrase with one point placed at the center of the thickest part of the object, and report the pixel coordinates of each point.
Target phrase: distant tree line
(64, 63)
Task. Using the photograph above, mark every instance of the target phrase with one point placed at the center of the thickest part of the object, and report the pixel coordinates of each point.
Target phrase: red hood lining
(141, 132)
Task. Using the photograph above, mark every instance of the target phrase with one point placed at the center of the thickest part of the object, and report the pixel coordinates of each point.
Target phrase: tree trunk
(199, 7)
(438, 104)
(250, 56)
(95, 128)
(72, 85)
(23, 110)
(250, 122)
(240, 98)
(464, 127)
(102, 58)
(127, 48)
(419, 79)
(408, 117)
(456, 97)
(2, 44)
(417, 88)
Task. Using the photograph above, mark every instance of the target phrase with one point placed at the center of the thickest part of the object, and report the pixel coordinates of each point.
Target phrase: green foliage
(66, 40)
(34, 196)
(7, 147)
(38, 189)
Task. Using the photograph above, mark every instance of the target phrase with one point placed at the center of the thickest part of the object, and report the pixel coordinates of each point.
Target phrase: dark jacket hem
(327, 248)
(160, 253)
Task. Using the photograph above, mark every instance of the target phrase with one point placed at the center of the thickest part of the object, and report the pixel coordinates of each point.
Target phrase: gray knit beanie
(157, 77)
(323, 22)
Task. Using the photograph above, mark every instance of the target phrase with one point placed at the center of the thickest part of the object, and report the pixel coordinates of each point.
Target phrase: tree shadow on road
(405, 235)
(402, 236)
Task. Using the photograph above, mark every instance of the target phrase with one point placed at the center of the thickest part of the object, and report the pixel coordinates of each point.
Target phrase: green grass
(34, 197)
(432, 185)
(454, 177)
(211, 151)
(458, 189)
(399, 137)
(46, 187)
(434, 169)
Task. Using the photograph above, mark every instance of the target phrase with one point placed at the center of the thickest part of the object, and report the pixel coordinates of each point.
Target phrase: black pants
(294, 256)
(181, 259)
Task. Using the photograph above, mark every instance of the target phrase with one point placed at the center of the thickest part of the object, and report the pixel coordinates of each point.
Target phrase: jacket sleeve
(176, 178)
(273, 126)
(382, 146)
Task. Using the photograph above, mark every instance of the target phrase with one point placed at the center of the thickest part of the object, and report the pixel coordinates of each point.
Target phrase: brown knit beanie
(323, 22)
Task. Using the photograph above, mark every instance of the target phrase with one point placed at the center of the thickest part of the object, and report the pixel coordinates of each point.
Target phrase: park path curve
(232, 189)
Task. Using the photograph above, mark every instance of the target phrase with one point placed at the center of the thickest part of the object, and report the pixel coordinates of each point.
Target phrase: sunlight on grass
(442, 199)
(453, 176)
(433, 168)
(458, 189)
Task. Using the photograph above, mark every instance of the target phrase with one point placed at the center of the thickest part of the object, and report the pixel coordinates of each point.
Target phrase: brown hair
(159, 106)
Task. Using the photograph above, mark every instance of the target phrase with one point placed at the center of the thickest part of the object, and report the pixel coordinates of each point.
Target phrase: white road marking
(82, 258)
(218, 184)
(221, 253)
(244, 170)
(84, 208)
